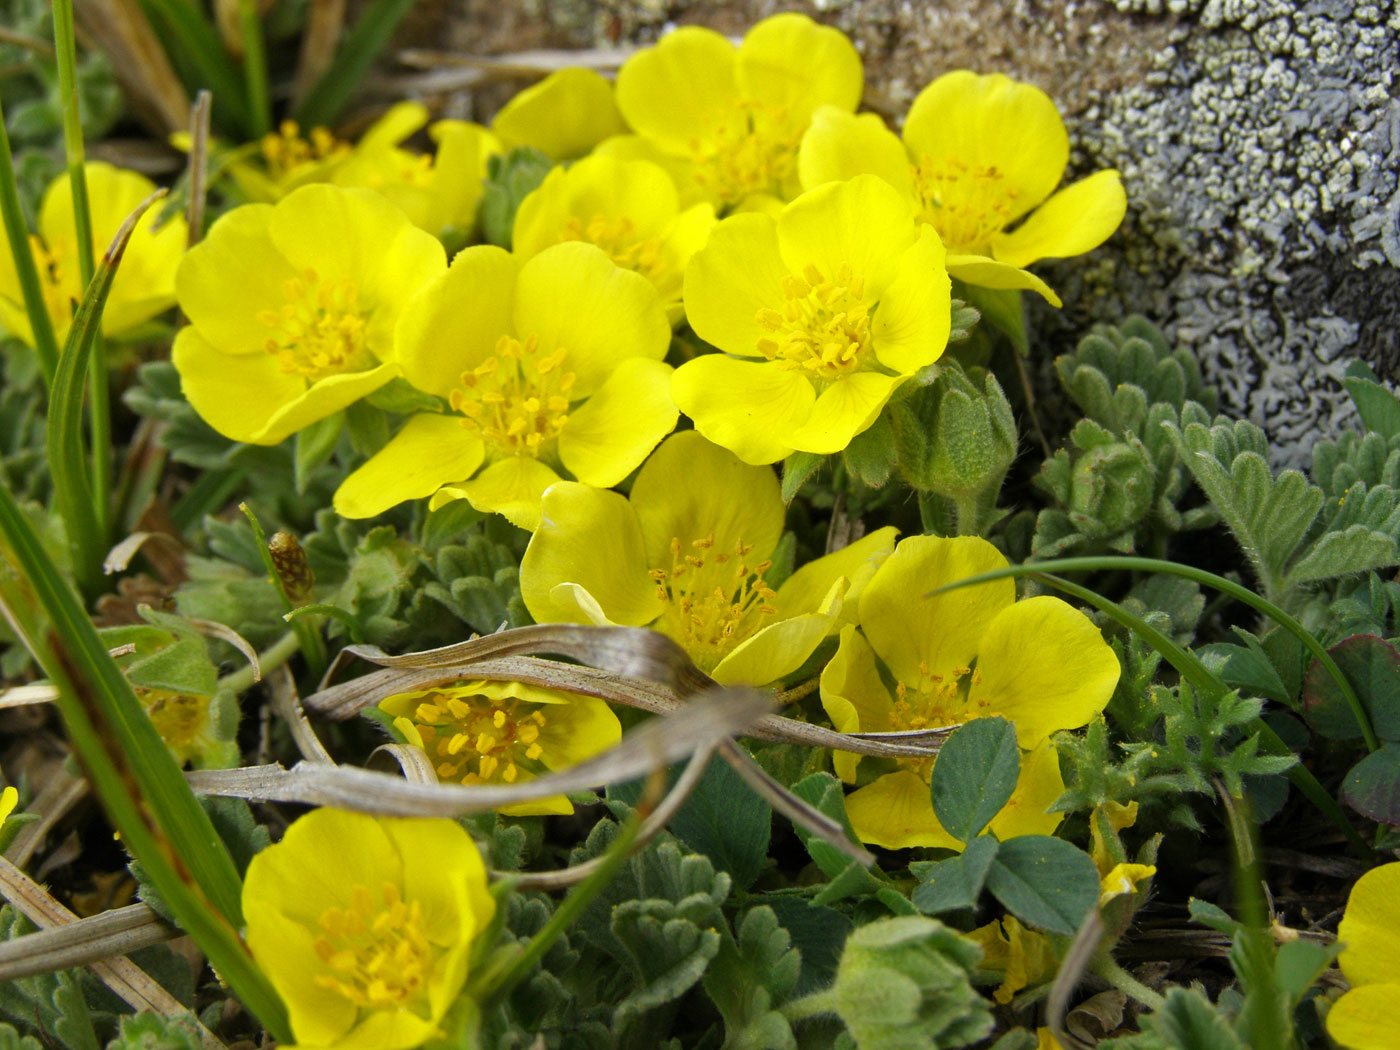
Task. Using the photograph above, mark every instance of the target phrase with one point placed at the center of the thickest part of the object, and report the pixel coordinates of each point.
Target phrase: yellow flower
(9, 799)
(364, 925)
(980, 153)
(293, 306)
(1024, 957)
(144, 285)
(964, 654)
(829, 307)
(436, 193)
(285, 160)
(196, 727)
(736, 115)
(685, 555)
(1368, 1016)
(630, 209)
(504, 733)
(563, 116)
(1123, 878)
(554, 361)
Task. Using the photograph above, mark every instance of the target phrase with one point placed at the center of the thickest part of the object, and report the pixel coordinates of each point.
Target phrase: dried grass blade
(83, 942)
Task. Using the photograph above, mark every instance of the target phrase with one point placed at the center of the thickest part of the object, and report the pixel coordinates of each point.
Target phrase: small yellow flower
(564, 116)
(504, 733)
(436, 192)
(293, 307)
(364, 925)
(1123, 878)
(630, 209)
(685, 554)
(1368, 1016)
(736, 115)
(192, 725)
(9, 799)
(144, 285)
(828, 309)
(1024, 957)
(965, 654)
(548, 363)
(979, 155)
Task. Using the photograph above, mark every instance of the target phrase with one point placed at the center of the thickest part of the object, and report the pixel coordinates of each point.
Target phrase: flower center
(376, 951)
(618, 237)
(965, 204)
(714, 599)
(475, 739)
(823, 326)
(517, 399)
(401, 168)
(753, 150)
(320, 330)
(932, 702)
(284, 150)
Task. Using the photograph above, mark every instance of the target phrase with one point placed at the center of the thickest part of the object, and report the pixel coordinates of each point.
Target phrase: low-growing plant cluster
(604, 579)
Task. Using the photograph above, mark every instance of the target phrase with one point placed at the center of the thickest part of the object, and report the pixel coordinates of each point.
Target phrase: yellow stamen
(711, 604)
(376, 951)
(754, 150)
(965, 203)
(822, 326)
(518, 399)
(618, 237)
(320, 329)
(473, 739)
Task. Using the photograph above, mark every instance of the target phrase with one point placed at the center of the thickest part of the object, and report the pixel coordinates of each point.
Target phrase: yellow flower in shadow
(364, 925)
(1368, 1016)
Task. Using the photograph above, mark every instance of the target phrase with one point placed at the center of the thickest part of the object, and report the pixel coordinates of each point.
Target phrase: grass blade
(129, 766)
(369, 36)
(205, 58)
(255, 67)
(17, 232)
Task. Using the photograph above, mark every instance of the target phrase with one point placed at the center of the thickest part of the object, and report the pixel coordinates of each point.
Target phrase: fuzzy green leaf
(1044, 881)
(753, 972)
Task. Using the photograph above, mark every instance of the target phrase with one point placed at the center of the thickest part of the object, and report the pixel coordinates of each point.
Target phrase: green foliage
(1204, 739)
(478, 581)
(10, 1039)
(755, 970)
(956, 883)
(974, 776)
(1372, 666)
(1279, 521)
(23, 464)
(1187, 1021)
(510, 178)
(1044, 881)
(150, 1031)
(1115, 374)
(53, 1004)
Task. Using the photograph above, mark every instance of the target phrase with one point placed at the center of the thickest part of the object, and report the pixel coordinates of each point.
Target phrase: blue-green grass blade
(17, 233)
(369, 36)
(130, 768)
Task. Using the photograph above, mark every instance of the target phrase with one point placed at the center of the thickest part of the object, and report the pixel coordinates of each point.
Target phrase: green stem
(254, 68)
(1126, 983)
(814, 1005)
(99, 407)
(17, 232)
(975, 513)
(278, 653)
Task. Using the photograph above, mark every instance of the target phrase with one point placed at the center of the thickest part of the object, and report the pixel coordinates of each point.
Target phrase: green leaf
(1190, 1022)
(974, 776)
(1372, 787)
(510, 179)
(1002, 309)
(956, 883)
(1378, 407)
(871, 455)
(1044, 881)
(797, 468)
(1372, 666)
(369, 36)
(818, 933)
(314, 445)
(1355, 549)
(17, 232)
(754, 971)
(669, 954)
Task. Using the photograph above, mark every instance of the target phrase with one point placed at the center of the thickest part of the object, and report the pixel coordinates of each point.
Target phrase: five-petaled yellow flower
(629, 208)
(293, 307)
(504, 733)
(364, 925)
(965, 654)
(144, 285)
(1368, 1016)
(828, 309)
(735, 116)
(564, 116)
(686, 555)
(550, 363)
(980, 153)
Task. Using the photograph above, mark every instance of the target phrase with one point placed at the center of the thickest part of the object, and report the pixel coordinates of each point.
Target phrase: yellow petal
(511, 487)
(451, 850)
(693, 490)
(459, 167)
(1123, 878)
(608, 436)
(589, 538)
(1045, 666)
(397, 123)
(738, 272)
(681, 169)
(989, 273)
(992, 122)
(775, 651)
(749, 407)
(844, 409)
(907, 627)
(840, 145)
(573, 296)
(806, 588)
(792, 63)
(854, 697)
(237, 253)
(605, 187)
(454, 323)
(1366, 1018)
(1037, 787)
(1370, 928)
(1075, 220)
(9, 798)
(863, 223)
(429, 452)
(563, 116)
(680, 90)
(577, 731)
(895, 811)
(910, 329)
